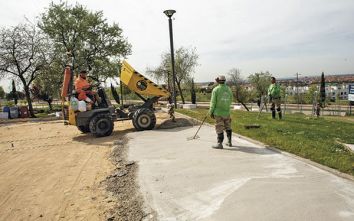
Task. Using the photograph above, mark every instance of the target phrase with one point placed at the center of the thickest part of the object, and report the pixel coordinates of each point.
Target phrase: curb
(312, 163)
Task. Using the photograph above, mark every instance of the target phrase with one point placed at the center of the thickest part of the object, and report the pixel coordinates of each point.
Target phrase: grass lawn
(308, 137)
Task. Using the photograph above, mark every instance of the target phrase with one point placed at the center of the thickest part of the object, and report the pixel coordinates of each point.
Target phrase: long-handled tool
(261, 107)
(196, 134)
(263, 102)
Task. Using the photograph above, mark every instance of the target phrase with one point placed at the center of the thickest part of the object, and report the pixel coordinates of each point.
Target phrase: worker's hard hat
(221, 78)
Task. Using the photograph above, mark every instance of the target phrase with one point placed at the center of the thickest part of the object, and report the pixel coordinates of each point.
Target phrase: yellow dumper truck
(99, 120)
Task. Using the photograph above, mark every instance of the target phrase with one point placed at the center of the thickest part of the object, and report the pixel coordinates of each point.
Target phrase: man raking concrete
(221, 100)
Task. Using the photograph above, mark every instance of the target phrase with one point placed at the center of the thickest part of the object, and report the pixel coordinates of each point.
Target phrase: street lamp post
(169, 13)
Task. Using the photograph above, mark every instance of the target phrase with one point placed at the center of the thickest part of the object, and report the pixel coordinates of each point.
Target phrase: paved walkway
(188, 180)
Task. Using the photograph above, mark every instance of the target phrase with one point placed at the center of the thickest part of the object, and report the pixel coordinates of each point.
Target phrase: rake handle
(200, 126)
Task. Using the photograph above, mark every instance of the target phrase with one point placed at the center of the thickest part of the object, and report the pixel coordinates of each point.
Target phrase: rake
(196, 134)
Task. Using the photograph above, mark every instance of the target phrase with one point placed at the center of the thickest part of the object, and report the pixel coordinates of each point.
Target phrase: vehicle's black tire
(84, 129)
(144, 119)
(101, 125)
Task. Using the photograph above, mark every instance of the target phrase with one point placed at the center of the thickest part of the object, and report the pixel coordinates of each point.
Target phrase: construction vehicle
(99, 121)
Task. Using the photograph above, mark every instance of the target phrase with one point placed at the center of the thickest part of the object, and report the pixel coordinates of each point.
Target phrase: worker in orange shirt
(83, 88)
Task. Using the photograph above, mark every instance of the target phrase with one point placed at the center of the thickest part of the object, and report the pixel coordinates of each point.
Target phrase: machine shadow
(89, 139)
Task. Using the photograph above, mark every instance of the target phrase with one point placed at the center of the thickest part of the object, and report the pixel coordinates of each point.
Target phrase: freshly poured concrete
(188, 180)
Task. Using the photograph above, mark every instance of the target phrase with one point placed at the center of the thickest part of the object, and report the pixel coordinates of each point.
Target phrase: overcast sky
(279, 36)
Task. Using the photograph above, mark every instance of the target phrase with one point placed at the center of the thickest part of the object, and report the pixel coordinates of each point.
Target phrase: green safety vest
(221, 99)
(274, 90)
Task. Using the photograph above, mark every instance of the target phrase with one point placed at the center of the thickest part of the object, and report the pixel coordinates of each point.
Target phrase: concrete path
(188, 180)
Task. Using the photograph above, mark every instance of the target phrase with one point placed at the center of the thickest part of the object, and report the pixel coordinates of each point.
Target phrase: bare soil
(51, 171)
(123, 186)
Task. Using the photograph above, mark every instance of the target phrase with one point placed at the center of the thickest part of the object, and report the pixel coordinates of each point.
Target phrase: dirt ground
(50, 171)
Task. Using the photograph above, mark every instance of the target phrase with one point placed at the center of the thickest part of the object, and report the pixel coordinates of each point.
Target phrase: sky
(283, 37)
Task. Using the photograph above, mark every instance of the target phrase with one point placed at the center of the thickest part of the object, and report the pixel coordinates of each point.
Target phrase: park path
(188, 180)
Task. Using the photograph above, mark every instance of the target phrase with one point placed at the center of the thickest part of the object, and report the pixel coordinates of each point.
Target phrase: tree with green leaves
(311, 95)
(14, 92)
(260, 82)
(47, 85)
(193, 93)
(24, 52)
(95, 45)
(11, 96)
(186, 60)
(235, 81)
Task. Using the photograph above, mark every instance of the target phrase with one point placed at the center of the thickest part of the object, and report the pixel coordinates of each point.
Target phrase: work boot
(273, 114)
(229, 140)
(220, 140)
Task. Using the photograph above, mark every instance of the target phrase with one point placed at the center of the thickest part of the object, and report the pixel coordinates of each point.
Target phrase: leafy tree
(24, 52)
(235, 81)
(260, 81)
(2, 92)
(193, 94)
(14, 92)
(41, 94)
(11, 96)
(310, 94)
(94, 44)
(48, 84)
(186, 61)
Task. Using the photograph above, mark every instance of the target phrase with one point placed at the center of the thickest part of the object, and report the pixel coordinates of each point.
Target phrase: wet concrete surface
(184, 179)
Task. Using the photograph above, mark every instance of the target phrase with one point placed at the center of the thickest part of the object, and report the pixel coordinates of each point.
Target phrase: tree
(311, 95)
(185, 64)
(14, 92)
(41, 94)
(24, 51)
(11, 96)
(260, 81)
(2, 93)
(235, 81)
(193, 94)
(48, 84)
(94, 44)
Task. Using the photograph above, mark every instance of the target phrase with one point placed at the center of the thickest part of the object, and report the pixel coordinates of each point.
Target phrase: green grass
(311, 138)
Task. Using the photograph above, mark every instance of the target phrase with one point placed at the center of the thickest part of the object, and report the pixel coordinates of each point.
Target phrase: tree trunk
(180, 92)
(193, 97)
(244, 105)
(29, 101)
(50, 104)
(264, 102)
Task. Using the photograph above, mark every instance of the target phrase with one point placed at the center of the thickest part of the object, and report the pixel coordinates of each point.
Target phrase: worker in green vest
(274, 98)
(219, 110)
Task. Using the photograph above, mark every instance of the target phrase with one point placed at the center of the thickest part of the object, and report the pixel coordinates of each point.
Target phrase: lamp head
(169, 12)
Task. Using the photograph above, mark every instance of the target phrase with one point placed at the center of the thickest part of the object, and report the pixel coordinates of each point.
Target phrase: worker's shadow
(107, 141)
(252, 150)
